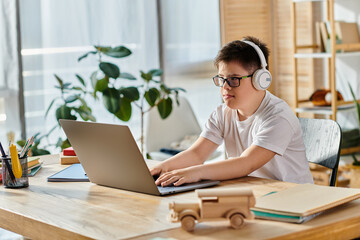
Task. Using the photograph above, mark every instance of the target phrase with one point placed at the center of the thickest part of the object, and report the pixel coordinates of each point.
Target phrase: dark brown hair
(243, 53)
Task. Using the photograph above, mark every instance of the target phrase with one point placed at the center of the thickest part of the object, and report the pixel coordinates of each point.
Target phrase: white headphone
(261, 78)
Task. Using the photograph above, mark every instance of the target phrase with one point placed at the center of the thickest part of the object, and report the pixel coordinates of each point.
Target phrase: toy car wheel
(236, 220)
(188, 223)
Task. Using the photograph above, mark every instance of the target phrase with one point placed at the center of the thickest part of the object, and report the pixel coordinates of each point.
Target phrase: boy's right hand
(158, 170)
(155, 171)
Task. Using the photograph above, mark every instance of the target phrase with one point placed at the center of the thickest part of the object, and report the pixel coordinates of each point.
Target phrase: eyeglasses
(231, 81)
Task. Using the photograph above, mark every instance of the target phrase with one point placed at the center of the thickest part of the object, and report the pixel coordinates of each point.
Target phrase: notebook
(74, 173)
(110, 157)
(302, 202)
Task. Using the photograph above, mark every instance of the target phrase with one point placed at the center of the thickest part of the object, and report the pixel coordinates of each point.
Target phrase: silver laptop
(111, 157)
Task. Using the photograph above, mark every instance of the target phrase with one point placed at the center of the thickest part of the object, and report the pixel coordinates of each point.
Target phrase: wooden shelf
(326, 55)
(326, 110)
(309, 0)
(345, 151)
(312, 55)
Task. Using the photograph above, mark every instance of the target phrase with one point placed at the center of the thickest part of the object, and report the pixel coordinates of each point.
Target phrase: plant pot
(354, 176)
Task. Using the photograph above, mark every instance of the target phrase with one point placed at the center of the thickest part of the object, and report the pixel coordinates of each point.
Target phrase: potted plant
(355, 173)
(354, 139)
(107, 85)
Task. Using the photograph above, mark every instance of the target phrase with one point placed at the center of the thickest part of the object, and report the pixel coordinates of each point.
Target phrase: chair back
(160, 133)
(322, 139)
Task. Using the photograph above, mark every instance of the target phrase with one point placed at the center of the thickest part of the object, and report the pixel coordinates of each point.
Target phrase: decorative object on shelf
(232, 204)
(322, 97)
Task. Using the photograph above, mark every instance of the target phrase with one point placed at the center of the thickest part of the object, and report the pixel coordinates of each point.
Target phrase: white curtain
(191, 34)
(9, 104)
(55, 33)
(191, 40)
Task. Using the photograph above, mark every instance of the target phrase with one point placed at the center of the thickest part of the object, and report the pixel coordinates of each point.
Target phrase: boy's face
(236, 97)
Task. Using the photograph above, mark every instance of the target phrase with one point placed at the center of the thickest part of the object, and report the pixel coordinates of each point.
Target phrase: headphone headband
(259, 52)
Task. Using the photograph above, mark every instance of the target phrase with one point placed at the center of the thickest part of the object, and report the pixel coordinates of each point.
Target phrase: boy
(263, 137)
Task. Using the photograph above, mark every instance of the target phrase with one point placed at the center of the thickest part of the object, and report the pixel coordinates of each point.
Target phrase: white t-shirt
(273, 126)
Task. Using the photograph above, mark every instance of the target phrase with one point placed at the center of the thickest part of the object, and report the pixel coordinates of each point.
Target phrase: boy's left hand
(180, 176)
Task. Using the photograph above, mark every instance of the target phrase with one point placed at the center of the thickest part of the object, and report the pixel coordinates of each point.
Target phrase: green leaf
(71, 98)
(64, 112)
(177, 98)
(39, 152)
(59, 142)
(101, 85)
(85, 55)
(151, 96)
(66, 85)
(118, 52)
(103, 49)
(156, 72)
(36, 135)
(178, 89)
(111, 99)
(84, 104)
(93, 79)
(132, 93)
(110, 69)
(127, 76)
(65, 144)
(165, 107)
(21, 143)
(77, 89)
(60, 81)
(356, 103)
(124, 112)
(165, 89)
(81, 80)
(51, 130)
(146, 76)
(85, 113)
(51, 104)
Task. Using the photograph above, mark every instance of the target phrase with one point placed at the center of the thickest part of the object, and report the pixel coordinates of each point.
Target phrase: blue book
(74, 173)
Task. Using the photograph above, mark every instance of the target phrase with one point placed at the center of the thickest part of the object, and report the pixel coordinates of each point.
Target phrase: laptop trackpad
(186, 187)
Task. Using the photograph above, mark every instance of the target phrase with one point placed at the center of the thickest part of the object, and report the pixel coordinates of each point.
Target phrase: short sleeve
(214, 127)
(274, 134)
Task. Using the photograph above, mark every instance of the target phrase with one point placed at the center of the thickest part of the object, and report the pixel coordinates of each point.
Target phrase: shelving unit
(305, 105)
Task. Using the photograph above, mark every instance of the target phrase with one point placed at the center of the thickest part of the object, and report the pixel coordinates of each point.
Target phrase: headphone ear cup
(261, 79)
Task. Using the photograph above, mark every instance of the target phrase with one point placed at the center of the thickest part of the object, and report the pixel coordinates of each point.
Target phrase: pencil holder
(9, 180)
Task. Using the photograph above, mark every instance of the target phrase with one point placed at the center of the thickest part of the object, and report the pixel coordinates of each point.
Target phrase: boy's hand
(179, 176)
(158, 169)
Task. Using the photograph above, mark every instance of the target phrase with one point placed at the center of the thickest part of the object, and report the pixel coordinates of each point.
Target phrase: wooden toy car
(215, 204)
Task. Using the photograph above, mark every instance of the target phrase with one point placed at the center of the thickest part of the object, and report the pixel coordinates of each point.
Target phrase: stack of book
(68, 156)
(346, 33)
(302, 202)
(34, 165)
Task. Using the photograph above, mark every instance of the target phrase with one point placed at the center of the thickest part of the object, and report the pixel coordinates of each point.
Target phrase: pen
(23, 149)
(7, 163)
(27, 147)
(2, 150)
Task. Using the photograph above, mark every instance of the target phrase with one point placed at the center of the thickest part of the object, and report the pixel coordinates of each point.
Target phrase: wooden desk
(85, 210)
